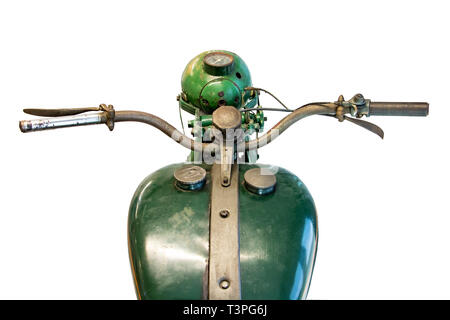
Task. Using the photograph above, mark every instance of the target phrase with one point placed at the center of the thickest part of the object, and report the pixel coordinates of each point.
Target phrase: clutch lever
(32, 125)
(61, 112)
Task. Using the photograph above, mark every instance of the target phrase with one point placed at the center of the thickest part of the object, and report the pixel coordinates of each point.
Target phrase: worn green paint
(169, 236)
(278, 239)
(202, 89)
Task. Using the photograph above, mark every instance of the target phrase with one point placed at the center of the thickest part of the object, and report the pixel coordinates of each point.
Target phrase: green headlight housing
(213, 79)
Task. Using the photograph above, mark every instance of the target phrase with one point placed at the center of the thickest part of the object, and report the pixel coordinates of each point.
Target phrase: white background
(384, 214)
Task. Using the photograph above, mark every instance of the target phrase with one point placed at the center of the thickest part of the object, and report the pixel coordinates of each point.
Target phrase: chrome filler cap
(260, 181)
(190, 177)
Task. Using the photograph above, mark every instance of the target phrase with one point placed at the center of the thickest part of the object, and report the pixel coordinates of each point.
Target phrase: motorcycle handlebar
(168, 129)
(337, 109)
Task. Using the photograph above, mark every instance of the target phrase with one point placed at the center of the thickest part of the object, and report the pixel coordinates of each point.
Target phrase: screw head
(224, 284)
(224, 213)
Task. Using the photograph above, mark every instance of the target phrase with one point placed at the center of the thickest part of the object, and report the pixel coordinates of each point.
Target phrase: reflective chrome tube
(62, 122)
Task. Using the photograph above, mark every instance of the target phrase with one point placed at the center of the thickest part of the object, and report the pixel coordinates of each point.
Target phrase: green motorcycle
(219, 225)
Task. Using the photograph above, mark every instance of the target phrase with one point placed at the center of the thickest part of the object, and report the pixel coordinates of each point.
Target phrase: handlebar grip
(61, 122)
(414, 109)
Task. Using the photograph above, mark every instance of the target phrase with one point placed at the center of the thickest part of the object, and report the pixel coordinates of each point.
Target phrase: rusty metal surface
(367, 125)
(411, 109)
(286, 122)
(163, 126)
(226, 161)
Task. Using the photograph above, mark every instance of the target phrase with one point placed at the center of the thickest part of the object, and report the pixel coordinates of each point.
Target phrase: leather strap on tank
(224, 264)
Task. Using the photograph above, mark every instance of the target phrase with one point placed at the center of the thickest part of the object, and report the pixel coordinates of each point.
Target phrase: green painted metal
(169, 236)
(168, 232)
(278, 239)
(206, 91)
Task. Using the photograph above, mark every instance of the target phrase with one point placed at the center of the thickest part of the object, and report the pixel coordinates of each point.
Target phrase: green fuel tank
(168, 233)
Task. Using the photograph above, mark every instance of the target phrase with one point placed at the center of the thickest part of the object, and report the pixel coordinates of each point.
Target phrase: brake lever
(362, 123)
(367, 125)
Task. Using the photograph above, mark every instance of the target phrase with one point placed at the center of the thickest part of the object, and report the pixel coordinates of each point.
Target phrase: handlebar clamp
(358, 105)
(110, 115)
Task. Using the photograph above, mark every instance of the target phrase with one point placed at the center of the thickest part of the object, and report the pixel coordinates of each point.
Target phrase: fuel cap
(190, 177)
(260, 181)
